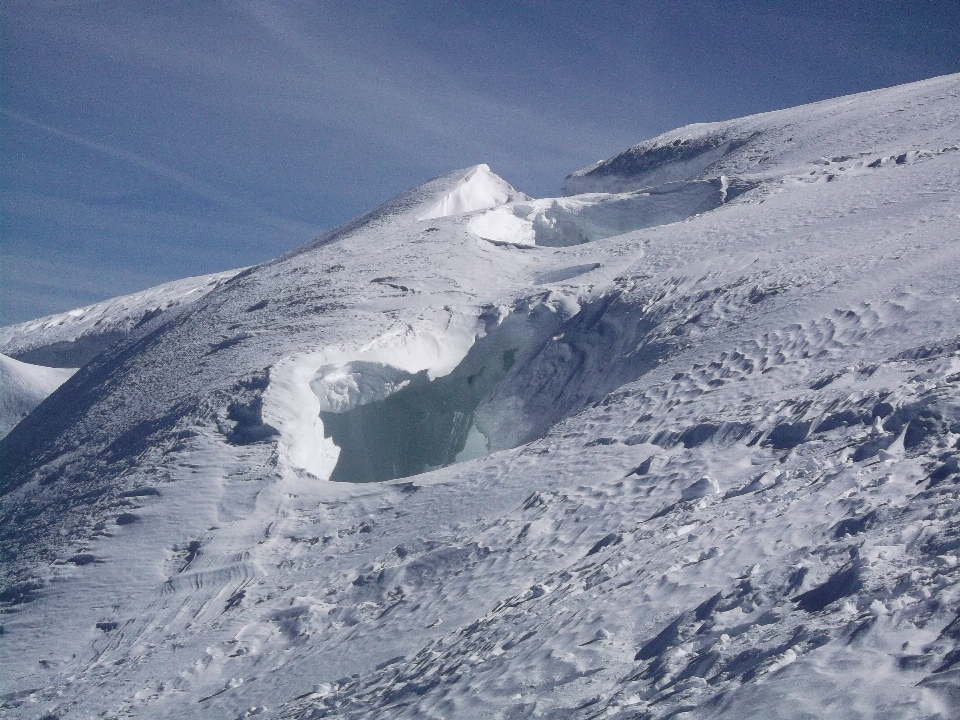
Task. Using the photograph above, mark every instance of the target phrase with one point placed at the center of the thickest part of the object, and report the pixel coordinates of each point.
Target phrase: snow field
(181, 553)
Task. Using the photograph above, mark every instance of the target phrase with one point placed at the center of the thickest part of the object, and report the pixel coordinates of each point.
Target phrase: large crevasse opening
(389, 423)
(542, 363)
(424, 425)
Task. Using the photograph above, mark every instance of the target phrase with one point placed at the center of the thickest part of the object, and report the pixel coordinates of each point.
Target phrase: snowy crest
(480, 189)
(687, 443)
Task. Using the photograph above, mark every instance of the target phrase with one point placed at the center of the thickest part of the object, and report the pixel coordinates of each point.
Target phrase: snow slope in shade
(171, 551)
(23, 387)
(75, 337)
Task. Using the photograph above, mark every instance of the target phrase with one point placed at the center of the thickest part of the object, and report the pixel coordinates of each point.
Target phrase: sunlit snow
(684, 442)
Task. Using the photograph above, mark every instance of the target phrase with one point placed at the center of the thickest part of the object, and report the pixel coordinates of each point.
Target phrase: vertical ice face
(420, 427)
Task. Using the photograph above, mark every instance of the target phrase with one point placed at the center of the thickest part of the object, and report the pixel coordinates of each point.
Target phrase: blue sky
(147, 141)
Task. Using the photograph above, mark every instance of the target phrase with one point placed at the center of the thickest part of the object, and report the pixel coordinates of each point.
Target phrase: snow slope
(699, 466)
(23, 387)
(773, 144)
(73, 338)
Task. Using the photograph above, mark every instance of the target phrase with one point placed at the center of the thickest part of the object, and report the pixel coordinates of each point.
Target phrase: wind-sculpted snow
(706, 467)
(559, 222)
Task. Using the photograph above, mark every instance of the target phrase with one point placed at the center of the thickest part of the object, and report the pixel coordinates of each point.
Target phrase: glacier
(681, 443)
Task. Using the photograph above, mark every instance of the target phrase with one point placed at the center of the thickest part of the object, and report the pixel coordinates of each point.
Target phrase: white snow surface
(715, 453)
(769, 144)
(24, 386)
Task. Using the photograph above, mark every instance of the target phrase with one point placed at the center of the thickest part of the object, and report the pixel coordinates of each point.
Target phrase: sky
(142, 142)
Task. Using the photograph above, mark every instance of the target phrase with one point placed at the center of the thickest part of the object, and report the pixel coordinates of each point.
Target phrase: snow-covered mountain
(682, 443)
(73, 338)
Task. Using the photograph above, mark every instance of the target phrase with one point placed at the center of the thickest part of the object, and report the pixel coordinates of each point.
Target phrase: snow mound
(774, 142)
(480, 189)
(23, 387)
(701, 488)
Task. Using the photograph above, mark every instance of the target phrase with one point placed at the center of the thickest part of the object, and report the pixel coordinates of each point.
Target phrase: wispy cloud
(415, 94)
(298, 63)
(181, 179)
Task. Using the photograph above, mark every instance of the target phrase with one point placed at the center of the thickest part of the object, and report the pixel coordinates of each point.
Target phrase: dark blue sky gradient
(147, 141)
